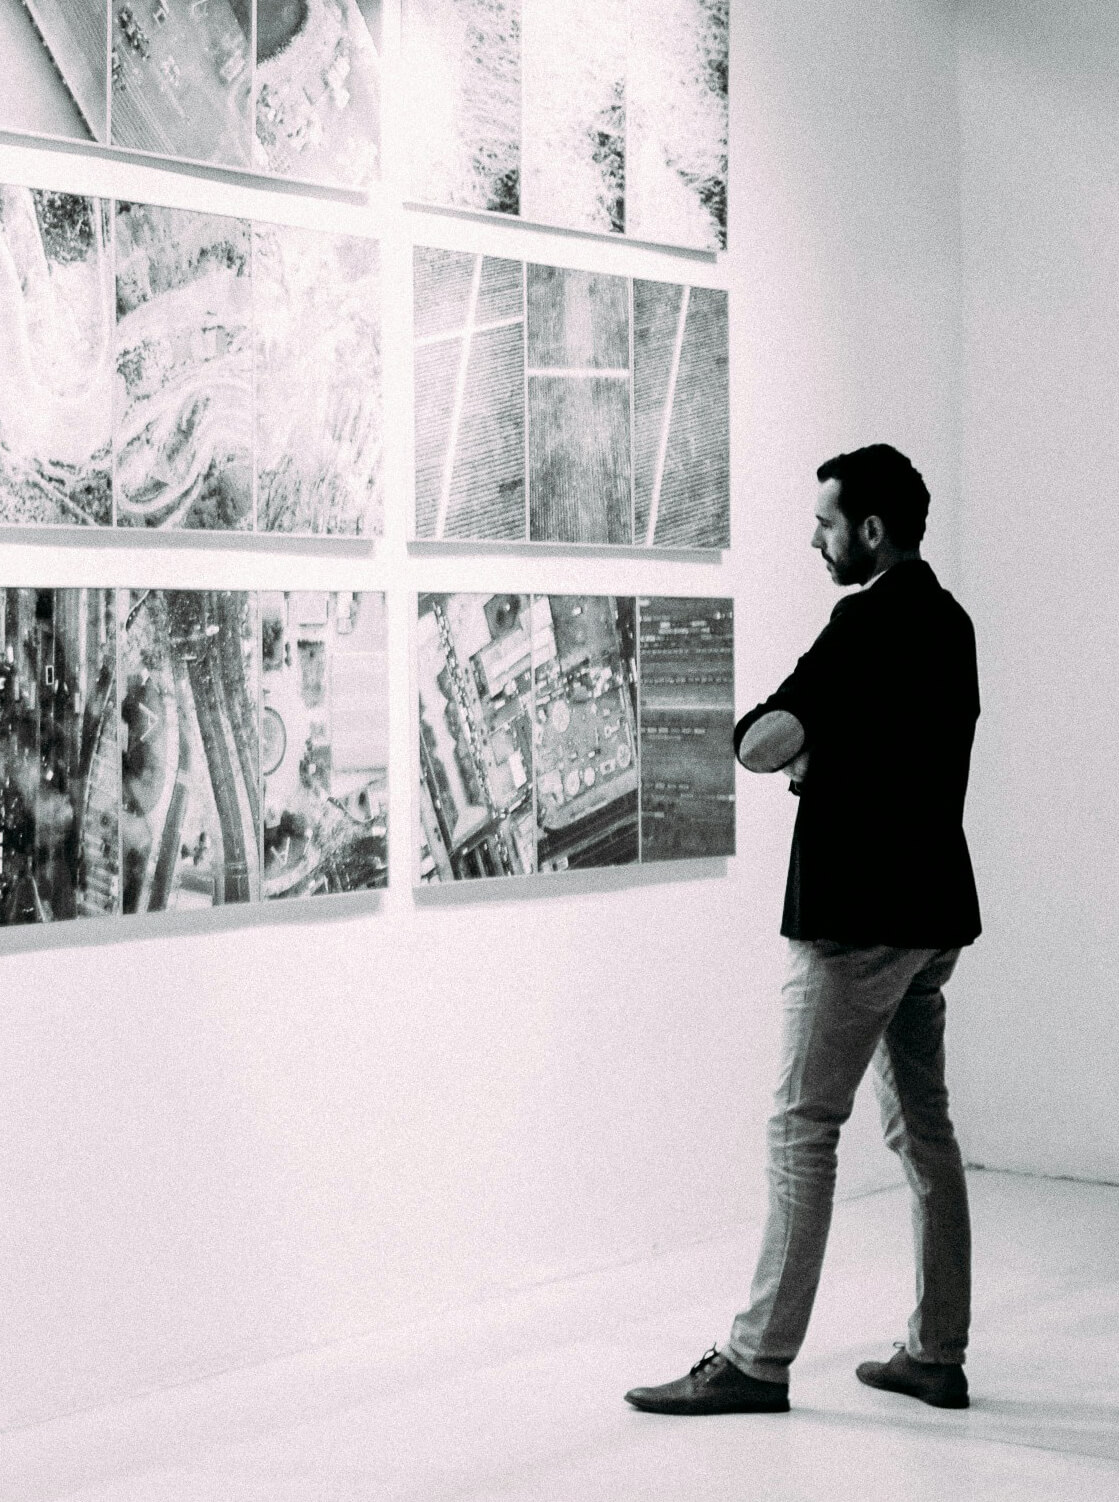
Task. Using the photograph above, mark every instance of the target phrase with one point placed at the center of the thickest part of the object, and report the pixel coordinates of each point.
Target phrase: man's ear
(874, 532)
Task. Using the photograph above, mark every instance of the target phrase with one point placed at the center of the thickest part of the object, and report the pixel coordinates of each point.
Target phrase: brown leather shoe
(714, 1385)
(941, 1384)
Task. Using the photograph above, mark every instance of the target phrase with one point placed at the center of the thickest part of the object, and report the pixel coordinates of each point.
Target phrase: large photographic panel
(183, 404)
(681, 416)
(676, 117)
(687, 727)
(319, 432)
(182, 79)
(56, 359)
(469, 396)
(585, 731)
(56, 58)
(579, 407)
(318, 90)
(474, 664)
(59, 767)
(462, 62)
(190, 749)
(324, 743)
(574, 133)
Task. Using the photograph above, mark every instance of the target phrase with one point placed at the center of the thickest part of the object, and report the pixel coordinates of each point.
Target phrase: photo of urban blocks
(562, 406)
(180, 79)
(56, 360)
(59, 759)
(601, 115)
(324, 743)
(174, 370)
(563, 732)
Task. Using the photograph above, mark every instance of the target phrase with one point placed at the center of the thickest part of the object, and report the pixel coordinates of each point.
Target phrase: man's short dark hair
(879, 481)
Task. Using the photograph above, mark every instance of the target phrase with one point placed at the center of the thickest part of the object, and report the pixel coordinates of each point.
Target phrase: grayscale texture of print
(59, 759)
(324, 743)
(687, 728)
(183, 403)
(681, 410)
(469, 396)
(585, 745)
(462, 62)
(676, 118)
(474, 663)
(182, 79)
(190, 753)
(579, 407)
(318, 90)
(56, 359)
(318, 390)
(55, 56)
(574, 135)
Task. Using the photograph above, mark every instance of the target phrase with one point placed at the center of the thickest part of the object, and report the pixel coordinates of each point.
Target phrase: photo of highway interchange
(179, 79)
(532, 721)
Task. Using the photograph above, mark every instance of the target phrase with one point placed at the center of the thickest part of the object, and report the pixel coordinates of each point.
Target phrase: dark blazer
(888, 695)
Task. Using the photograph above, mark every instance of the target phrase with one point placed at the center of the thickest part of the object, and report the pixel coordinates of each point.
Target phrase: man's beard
(857, 568)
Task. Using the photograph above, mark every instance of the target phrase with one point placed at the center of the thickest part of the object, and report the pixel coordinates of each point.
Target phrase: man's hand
(794, 770)
(772, 742)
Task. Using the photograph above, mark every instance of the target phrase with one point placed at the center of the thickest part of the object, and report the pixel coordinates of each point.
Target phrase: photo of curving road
(190, 753)
(59, 765)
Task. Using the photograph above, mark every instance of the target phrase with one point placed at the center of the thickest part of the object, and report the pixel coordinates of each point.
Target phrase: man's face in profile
(848, 558)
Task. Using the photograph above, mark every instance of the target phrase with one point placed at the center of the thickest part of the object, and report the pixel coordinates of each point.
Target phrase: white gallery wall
(1037, 1045)
(234, 1136)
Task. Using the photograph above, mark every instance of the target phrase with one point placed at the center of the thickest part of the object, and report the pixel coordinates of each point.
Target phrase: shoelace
(705, 1360)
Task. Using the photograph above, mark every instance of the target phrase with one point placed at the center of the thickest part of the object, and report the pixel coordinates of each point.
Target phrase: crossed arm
(775, 743)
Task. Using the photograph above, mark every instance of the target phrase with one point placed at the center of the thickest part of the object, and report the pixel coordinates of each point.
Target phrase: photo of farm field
(469, 396)
(573, 147)
(190, 752)
(317, 90)
(687, 727)
(319, 431)
(324, 743)
(59, 760)
(474, 662)
(681, 407)
(56, 359)
(585, 745)
(55, 56)
(580, 483)
(182, 79)
(462, 69)
(676, 119)
(183, 393)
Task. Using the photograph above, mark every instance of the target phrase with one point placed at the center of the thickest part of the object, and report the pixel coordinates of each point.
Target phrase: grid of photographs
(287, 88)
(164, 368)
(173, 750)
(566, 406)
(559, 732)
(600, 115)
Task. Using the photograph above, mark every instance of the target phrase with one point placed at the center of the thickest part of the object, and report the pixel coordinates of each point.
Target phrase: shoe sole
(961, 1400)
(700, 1412)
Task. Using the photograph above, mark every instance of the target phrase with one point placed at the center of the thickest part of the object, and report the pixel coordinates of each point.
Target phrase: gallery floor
(522, 1398)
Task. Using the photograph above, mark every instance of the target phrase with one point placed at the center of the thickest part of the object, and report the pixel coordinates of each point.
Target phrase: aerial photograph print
(183, 405)
(190, 751)
(56, 58)
(324, 743)
(59, 760)
(318, 383)
(585, 746)
(469, 396)
(687, 726)
(56, 359)
(474, 657)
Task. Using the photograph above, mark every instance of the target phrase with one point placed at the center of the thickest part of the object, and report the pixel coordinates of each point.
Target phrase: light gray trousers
(845, 1006)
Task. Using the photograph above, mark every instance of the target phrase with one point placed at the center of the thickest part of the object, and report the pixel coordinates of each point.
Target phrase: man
(874, 728)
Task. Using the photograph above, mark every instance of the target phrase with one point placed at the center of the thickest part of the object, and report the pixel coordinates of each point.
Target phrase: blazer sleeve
(803, 691)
